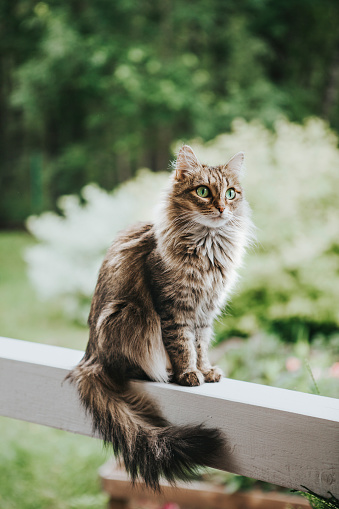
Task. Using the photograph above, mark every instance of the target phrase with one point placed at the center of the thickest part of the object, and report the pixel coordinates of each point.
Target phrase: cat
(159, 289)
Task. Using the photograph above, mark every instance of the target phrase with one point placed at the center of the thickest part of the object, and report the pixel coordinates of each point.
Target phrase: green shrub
(65, 263)
(290, 282)
(266, 360)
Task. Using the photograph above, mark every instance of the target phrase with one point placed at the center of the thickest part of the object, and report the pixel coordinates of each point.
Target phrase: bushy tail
(150, 447)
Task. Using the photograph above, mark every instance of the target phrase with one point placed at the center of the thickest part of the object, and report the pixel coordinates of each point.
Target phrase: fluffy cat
(159, 289)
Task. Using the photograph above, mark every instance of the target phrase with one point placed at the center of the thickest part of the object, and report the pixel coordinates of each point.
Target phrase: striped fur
(159, 289)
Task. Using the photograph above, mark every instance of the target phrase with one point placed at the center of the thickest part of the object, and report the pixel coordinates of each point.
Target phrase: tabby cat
(159, 289)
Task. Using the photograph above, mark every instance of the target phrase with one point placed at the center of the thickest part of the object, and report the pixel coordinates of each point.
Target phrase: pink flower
(170, 505)
(292, 364)
(334, 370)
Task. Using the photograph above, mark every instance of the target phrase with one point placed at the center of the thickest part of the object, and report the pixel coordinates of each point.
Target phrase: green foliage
(109, 86)
(97, 90)
(265, 359)
(290, 281)
(319, 502)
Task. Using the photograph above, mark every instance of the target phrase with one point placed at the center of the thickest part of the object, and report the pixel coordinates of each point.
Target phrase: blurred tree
(304, 39)
(98, 89)
(18, 40)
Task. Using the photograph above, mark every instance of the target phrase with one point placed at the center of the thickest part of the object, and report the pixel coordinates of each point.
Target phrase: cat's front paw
(190, 378)
(213, 375)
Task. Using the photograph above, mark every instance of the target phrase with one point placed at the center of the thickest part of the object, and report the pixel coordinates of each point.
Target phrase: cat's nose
(220, 208)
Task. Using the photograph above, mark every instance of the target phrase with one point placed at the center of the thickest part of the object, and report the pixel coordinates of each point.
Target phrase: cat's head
(208, 195)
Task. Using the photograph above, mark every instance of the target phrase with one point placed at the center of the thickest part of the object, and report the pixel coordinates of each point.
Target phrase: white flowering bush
(290, 281)
(64, 264)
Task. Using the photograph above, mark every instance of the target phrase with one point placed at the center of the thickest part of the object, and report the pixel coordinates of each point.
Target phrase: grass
(46, 468)
(22, 314)
(41, 468)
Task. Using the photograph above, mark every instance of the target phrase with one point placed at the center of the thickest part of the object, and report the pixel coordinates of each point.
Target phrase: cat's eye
(203, 192)
(230, 193)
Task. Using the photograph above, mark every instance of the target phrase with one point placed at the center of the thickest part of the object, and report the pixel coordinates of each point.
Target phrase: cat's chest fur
(195, 273)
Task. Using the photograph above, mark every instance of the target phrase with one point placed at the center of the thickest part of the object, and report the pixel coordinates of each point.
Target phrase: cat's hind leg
(131, 335)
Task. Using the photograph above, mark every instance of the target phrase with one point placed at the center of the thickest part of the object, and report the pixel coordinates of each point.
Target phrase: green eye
(203, 192)
(230, 193)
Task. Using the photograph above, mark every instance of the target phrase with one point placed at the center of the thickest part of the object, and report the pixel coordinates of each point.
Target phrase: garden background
(95, 99)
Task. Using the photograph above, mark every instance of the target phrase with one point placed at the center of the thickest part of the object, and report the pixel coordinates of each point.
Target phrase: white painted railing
(284, 437)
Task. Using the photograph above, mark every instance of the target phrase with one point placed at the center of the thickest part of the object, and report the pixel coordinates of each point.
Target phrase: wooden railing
(276, 435)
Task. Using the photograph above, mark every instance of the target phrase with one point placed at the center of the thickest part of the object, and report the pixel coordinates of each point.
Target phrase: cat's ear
(236, 162)
(187, 163)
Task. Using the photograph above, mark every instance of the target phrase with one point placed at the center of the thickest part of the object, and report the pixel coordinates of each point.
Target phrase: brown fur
(159, 289)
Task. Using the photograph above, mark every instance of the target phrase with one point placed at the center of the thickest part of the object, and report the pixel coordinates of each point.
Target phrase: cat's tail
(150, 447)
